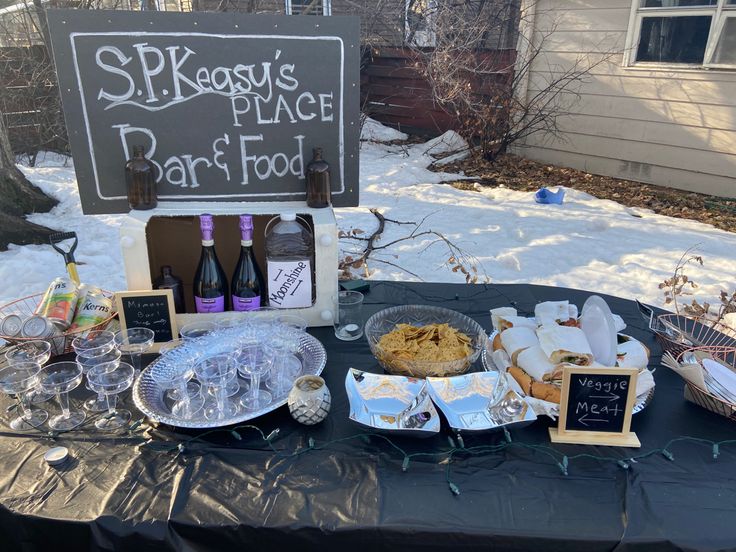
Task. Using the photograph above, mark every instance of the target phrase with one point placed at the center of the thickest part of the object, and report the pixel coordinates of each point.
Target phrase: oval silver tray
(149, 397)
(642, 401)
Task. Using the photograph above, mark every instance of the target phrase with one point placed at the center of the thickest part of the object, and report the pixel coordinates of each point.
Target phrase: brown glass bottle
(140, 180)
(318, 181)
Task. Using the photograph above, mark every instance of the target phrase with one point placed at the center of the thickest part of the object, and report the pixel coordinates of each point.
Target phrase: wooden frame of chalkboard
(600, 419)
(149, 309)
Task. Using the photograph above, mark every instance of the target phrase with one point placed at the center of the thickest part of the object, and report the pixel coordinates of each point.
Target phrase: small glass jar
(140, 181)
(318, 181)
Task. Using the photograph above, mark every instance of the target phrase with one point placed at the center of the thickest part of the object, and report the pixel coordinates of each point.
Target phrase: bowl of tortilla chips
(420, 341)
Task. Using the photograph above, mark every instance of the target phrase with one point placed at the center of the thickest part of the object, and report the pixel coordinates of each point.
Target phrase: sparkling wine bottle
(247, 283)
(210, 282)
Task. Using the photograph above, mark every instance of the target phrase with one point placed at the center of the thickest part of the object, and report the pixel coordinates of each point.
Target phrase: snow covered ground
(585, 243)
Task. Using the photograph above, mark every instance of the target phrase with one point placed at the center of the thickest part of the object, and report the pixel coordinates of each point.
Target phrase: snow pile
(585, 243)
(373, 131)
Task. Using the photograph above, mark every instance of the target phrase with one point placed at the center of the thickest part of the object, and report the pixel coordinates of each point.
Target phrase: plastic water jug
(289, 262)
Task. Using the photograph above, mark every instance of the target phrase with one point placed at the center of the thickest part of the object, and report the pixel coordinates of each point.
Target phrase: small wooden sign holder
(166, 293)
(624, 438)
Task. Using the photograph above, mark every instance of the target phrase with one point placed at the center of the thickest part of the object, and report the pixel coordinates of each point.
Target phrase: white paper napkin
(725, 376)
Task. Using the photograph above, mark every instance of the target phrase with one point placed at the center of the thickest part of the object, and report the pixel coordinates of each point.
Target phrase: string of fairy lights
(456, 450)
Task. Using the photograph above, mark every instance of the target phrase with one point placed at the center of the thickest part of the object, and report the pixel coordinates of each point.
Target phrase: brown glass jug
(140, 180)
(318, 181)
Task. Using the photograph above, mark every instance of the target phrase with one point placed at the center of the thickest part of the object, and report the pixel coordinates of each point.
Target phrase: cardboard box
(169, 235)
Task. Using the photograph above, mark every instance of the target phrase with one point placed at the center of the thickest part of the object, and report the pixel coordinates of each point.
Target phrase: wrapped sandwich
(515, 340)
(501, 312)
(631, 354)
(563, 344)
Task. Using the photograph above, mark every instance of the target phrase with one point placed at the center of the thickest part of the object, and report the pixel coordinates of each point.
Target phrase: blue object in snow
(544, 195)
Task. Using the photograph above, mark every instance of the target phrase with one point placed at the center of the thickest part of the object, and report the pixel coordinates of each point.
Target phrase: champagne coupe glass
(286, 365)
(173, 392)
(95, 343)
(98, 403)
(134, 342)
(255, 360)
(194, 330)
(217, 371)
(59, 378)
(111, 379)
(31, 351)
(19, 379)
(230, 320)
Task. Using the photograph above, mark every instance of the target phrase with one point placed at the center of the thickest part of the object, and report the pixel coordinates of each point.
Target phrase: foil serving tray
(469, 403)
(391, 404)
(149, 397)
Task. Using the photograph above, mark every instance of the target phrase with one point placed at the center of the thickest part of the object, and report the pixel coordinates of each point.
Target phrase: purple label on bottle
(207, 225)
(246, 227)
(215, 304)
(246, 303)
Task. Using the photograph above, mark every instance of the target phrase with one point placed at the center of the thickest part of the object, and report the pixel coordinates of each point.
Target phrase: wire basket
(60, 343)
(677, 333)
(702, 397)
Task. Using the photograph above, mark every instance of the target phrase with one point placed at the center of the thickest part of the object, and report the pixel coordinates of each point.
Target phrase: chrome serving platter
(149, 397)
(391, 404)
(642, 401)
(470, 402)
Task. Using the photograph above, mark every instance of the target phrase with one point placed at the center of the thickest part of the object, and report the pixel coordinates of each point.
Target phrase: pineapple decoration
(309, 400)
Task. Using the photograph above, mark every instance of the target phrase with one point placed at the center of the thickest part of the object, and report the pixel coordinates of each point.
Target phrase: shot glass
(348, 319)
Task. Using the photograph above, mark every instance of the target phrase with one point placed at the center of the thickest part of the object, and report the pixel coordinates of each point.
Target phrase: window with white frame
(308, 7)
(690, 33)
(419, 22)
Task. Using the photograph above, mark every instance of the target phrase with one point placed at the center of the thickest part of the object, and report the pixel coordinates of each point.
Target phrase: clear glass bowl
(386, 320)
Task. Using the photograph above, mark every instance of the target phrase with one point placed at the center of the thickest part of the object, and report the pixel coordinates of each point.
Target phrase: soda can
(95, 309)
(11, 325)
(59, 302)
(37, 327)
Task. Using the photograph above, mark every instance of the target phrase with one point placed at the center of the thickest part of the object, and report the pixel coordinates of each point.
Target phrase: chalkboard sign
(149, 309)
(596, 406)
(227, 105)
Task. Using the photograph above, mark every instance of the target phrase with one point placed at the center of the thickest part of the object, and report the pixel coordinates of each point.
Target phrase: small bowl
(386, 320)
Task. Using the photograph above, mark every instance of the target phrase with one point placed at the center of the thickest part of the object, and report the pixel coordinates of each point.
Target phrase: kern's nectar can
(37, 327)
(11, 325)
(59, 302)
(93, 310)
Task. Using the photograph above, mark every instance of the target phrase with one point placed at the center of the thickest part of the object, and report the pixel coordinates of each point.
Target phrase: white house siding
(673, 128)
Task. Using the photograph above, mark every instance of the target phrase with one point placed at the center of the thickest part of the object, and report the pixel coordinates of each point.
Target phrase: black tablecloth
(236, 494)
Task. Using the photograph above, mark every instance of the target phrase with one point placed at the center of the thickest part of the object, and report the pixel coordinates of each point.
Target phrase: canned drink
(95, 308)
(11, 325)
(37, 327)
(59, 302)
(83, 289)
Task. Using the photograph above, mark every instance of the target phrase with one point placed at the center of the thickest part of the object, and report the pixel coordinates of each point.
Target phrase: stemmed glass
(19, 379)
(194, 330)
(98, 403)
(134, 342)
(217, 371)
(174, 378)
(171, 386)
(111, 379)
(255, 360)
(96, 347)
(60, 378)
(38, 351)
(95, 343)
(286, 365)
